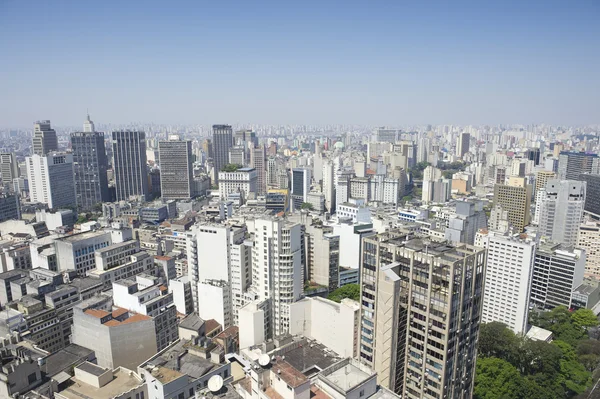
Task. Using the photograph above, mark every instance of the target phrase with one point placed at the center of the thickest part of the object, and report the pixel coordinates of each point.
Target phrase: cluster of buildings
(153, 265)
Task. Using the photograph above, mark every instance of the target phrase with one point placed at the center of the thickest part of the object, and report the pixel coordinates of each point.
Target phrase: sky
(302, 62)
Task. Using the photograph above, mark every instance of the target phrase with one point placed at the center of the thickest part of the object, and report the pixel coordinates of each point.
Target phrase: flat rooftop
(190, 364)
(121, 383)
(345, 375)
(81, 236)
(305, 356)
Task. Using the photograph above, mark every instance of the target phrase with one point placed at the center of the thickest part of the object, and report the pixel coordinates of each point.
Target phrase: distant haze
(308, 62)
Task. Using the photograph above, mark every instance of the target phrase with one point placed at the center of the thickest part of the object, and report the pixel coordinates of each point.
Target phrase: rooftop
(191, 322)
(164, 366)
(65, 358)
(81, 236)
(346, 375)
(305, 356)
(121, 383)
(288, 373)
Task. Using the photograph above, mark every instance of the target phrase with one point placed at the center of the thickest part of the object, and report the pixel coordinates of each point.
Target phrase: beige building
(515, 198)
(420, 342)
(541, 178)
(589, 239)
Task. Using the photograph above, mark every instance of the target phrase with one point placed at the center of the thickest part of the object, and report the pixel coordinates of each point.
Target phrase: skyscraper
(222, 142)
(592, 202)
(421, 308)
(44, 138)
(176, 172)
(561, 210)
(462, 146)
(515, 198)
(51, 179)
(257, 161)
(572, 164)
(8, 168)
(89, 166)
(131, 173)
(300, 186)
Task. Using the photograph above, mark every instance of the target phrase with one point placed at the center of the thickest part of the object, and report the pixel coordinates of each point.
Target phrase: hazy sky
(370, 62)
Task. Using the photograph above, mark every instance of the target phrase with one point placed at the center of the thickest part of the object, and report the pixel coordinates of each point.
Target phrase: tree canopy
(230, 167)
(512, 366)
(307, 206)
(351, 291)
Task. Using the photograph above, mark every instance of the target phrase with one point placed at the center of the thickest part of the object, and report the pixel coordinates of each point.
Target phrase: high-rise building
(9, 169)
(323, 256)
(222, 142)
(557, 271)
(44, 138)
(277, 274)
(328, 186)
(541, 178)
(300, 186)
(51, 180)
(243, 181)
(514, 198)
(508, 274)
(592, 202)
(561, 210)
(420, 313)
(462, 147)
(176, 172)
(572, 164)
(129, 163)
(10, 207)
(588, 239)
(90, 164)
(257, 161)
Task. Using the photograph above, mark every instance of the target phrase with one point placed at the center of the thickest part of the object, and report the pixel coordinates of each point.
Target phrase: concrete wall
(251, 325)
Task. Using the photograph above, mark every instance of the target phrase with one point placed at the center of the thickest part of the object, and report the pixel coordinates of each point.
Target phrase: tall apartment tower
(89, 166)
(462, 147)
(592, 193)
(8, 168)
(515, 198)
(572, 164)
(328, 186)
(277, 274)
(272, 172)
(222, 142)
(541, 178)
(420, 313)
(129, 163)
(508, 275)
(176, 172)
(257, 161)
(561, 210)
(44, 138)
(51, 179)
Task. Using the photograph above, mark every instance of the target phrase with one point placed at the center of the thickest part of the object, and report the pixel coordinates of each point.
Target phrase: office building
(145, 296)
(541, 178)
(119, 338)
(589, 241)
(176, 171)
(300, 186)
(573, 164)
(257, 161)
(557, 272)
(10, 207)
(323, 256)
(561, 210)
(9, 169)
(592, 197)
(243, 181)
(221, 143)
(51, 180)
(462, 147)
(129, 164)
(509, 270)
(89, 166)
(514, 198)
(465, 222)
(328, 186)
(421, 341)
(76, 251)
(44, 138)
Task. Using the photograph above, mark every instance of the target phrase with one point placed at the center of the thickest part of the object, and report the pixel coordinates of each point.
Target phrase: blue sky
(300, 62)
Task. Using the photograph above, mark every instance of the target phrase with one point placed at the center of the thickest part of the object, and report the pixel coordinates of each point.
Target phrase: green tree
(497, 379)
(588, 352)
(584, 318)
(497, 340)
(307, 206)
(230, 167)
(573, 375)
(351, 291)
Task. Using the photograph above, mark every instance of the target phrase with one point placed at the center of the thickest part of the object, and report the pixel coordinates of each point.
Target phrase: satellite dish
(264, 360)
(215, 383)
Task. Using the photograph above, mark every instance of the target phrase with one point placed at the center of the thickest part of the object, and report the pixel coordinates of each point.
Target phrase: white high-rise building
(509, 270)
(214, 262)
(561, 210)
(277, 273)
(51, 179)
(329, 185)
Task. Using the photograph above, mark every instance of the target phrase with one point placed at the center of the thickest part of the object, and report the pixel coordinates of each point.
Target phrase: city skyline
(375, 65)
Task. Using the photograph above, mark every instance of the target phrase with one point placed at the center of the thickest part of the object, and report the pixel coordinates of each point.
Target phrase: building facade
(129, 164)
(89, 167)
(176, 172)
(51, 180)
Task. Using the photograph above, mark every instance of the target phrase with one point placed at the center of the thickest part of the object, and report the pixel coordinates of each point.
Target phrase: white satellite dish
(264, 360)
(215, 383)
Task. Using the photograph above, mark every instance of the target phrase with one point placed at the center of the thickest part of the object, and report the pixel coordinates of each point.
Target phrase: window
(31, 378)
(361, 393)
